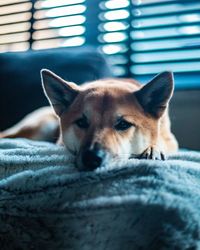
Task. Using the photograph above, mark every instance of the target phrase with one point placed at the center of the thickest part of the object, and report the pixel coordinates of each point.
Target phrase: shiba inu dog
(104, 119)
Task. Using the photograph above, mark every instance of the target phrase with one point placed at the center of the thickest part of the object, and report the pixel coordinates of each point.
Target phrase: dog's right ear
(59, 92)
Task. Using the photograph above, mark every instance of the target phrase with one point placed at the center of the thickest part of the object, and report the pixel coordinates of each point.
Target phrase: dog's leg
(166, 138)
(41, 125)
(165, 144)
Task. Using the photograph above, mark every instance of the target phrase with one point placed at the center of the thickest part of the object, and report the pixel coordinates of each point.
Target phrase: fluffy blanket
(45, 203)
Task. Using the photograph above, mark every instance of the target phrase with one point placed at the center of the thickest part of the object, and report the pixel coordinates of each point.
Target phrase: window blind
(114, 34)
(58, 23)
(41, 24)
(166, 36)
(139, 37)
(15, 24)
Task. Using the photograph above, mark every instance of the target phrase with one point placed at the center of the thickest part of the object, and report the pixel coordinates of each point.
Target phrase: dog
(104, 119)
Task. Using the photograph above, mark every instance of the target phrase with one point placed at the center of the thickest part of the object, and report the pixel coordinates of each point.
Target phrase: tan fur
(41, 125)
(102, 102)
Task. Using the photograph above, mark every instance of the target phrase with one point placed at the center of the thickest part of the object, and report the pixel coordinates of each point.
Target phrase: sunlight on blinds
(114, 20)
(138, 37)
(59, 24)
(165, 36)
(14, 25)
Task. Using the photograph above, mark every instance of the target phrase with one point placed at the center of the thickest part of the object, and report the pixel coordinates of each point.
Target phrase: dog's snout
(92, 158)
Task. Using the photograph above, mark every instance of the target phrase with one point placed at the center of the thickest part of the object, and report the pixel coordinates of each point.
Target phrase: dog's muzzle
(92, 158)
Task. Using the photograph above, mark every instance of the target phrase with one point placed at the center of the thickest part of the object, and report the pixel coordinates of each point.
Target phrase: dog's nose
(92, 158)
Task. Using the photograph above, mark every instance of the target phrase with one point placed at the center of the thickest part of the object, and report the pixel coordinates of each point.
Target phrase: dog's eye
(82, 123)
(123, 125)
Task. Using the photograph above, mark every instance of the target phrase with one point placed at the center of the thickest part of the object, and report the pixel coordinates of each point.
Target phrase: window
(139, 37)
(15, 24)
(58, 23)
(41, 24)
(166, 36)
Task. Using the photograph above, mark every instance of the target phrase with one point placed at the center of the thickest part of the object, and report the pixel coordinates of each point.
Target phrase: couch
(20, 84)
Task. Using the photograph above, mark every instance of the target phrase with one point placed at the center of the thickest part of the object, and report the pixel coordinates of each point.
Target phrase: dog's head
(110, 118)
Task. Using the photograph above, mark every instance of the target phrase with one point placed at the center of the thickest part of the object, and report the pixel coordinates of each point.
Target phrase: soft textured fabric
(45, 203)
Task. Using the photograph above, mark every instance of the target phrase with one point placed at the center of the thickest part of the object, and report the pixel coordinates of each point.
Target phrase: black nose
(92, 158)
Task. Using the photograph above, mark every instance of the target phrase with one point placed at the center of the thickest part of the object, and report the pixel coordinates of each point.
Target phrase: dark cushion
(185, 118)
(20, 84)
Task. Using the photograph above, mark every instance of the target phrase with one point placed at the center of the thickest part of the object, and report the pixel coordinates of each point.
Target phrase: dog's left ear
(155, 95)
(60, 93)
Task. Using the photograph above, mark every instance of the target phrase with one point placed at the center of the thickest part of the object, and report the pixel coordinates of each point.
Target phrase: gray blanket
(45, 203)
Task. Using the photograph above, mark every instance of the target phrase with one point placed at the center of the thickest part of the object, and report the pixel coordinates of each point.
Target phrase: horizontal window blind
(15, 24)
(139, 37)
(58, 23)
(114, 33)
(166, 36)
(41, 24)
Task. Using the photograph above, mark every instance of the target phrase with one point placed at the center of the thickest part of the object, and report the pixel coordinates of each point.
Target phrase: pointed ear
(59, 92)
(155, 95)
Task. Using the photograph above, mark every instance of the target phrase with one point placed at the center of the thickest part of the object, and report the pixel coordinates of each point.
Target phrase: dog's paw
(153, 153)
